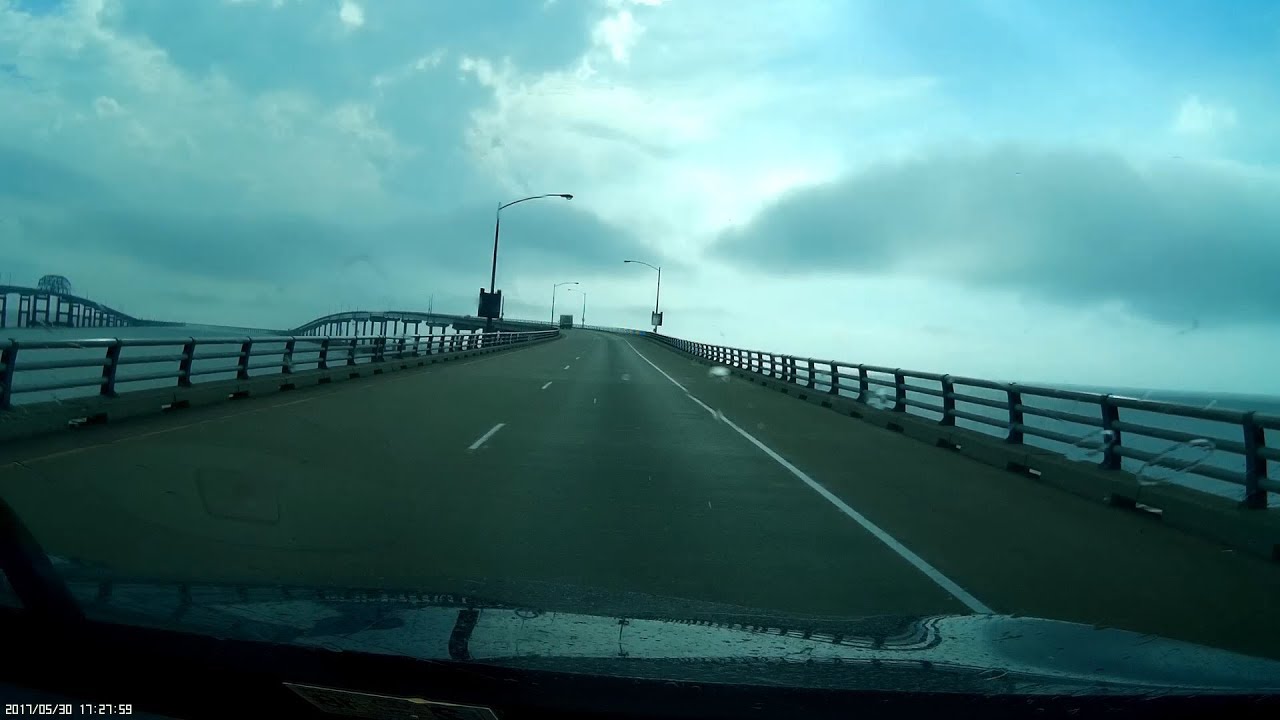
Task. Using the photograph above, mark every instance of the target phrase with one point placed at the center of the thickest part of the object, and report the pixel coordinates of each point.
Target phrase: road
(612, 462)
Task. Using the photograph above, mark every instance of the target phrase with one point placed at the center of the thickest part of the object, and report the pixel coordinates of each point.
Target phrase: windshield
(793, 312)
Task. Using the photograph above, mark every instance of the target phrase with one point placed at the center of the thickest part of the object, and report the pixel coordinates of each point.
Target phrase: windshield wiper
(44, 595)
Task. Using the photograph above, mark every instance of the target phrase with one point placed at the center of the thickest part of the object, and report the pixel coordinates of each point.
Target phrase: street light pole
(657, 296)
(553, 299)
(584, 305)
(497, 225)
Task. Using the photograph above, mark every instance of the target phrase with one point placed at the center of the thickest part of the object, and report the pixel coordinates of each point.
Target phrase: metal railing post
(417, 345)
(108, 387)
(864, 387)
(9, 356)
(323, 362)
(1255, 465)
(948, 401)
(1110, 416)
(286, 362)
(351, 351)
(184, 365)
(242, 366)
(835, 378)
(899, 391)
(811, 381)
(1015, 414)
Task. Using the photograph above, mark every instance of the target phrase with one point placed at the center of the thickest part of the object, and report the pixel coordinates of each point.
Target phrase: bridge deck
(614, 476)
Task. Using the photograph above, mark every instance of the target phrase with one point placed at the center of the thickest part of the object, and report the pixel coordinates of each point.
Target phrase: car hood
(637, 635)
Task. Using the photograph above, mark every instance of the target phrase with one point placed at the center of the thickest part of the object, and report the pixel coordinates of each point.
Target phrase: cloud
(618, 33)
(351, 14)
(1196, 117)
(1174, 242)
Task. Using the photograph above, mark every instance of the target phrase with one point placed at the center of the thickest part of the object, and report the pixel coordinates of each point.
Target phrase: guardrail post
(108, 387)
(948, 401)
(1015, 414)
(899, 391)
(811, 381)
(9, 356)
(400, 345)
(323, 362)
(835, 379)
(1255, 465)
(864, 387)
(286, 363)
(242, 367)
(351, 351)
(417, 345)
(184, 365)
(1110, 416)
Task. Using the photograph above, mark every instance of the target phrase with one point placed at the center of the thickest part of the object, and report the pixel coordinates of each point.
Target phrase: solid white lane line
(486, 436)
(920, 564)
(655, 367)
(714, 414)
(892, 543)
(544, 387)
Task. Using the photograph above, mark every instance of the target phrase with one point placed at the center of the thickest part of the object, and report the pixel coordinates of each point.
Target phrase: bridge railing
(109, 366)
(1112, 432)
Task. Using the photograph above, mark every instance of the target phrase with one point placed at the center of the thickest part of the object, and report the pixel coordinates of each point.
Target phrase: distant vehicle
(566, 321)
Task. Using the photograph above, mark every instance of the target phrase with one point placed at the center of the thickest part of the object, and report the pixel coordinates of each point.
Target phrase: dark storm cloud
(1178, 242)
(71, 213)
(26, 176)
(247, 41)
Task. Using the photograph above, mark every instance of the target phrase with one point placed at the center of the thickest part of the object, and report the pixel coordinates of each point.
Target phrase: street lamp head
(566, 196)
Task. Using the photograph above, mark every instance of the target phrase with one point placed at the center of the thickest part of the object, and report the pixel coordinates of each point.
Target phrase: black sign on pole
(490, 304)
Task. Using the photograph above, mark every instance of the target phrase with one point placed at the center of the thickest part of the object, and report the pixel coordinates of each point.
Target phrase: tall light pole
(584, 305)
(497, 224)
(658, 295)
(553, 299)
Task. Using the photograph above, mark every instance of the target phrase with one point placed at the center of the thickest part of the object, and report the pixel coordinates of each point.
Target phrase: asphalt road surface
(613, 462)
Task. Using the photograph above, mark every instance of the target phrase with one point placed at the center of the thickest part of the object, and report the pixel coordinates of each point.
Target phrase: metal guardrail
(186, 361)
(1108, 438)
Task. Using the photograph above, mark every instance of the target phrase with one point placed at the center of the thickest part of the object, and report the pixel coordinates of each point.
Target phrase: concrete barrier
(28, 421)
(1208, 516)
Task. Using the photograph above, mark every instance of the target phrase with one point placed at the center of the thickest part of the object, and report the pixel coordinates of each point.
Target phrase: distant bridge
(399, 322)
(48, 307)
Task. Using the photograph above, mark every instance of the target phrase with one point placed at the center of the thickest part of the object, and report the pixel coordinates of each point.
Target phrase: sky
(1081, 192)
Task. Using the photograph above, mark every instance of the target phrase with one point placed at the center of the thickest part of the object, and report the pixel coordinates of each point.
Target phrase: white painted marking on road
(593, 401)
(942, 581)
(544, 387)
(655, 367)
(714, 414)
(566, 367)
(578, 358)
(486, 436)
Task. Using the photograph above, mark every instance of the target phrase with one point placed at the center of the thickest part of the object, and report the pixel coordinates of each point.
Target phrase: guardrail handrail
(292, 353)
(799, 370)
